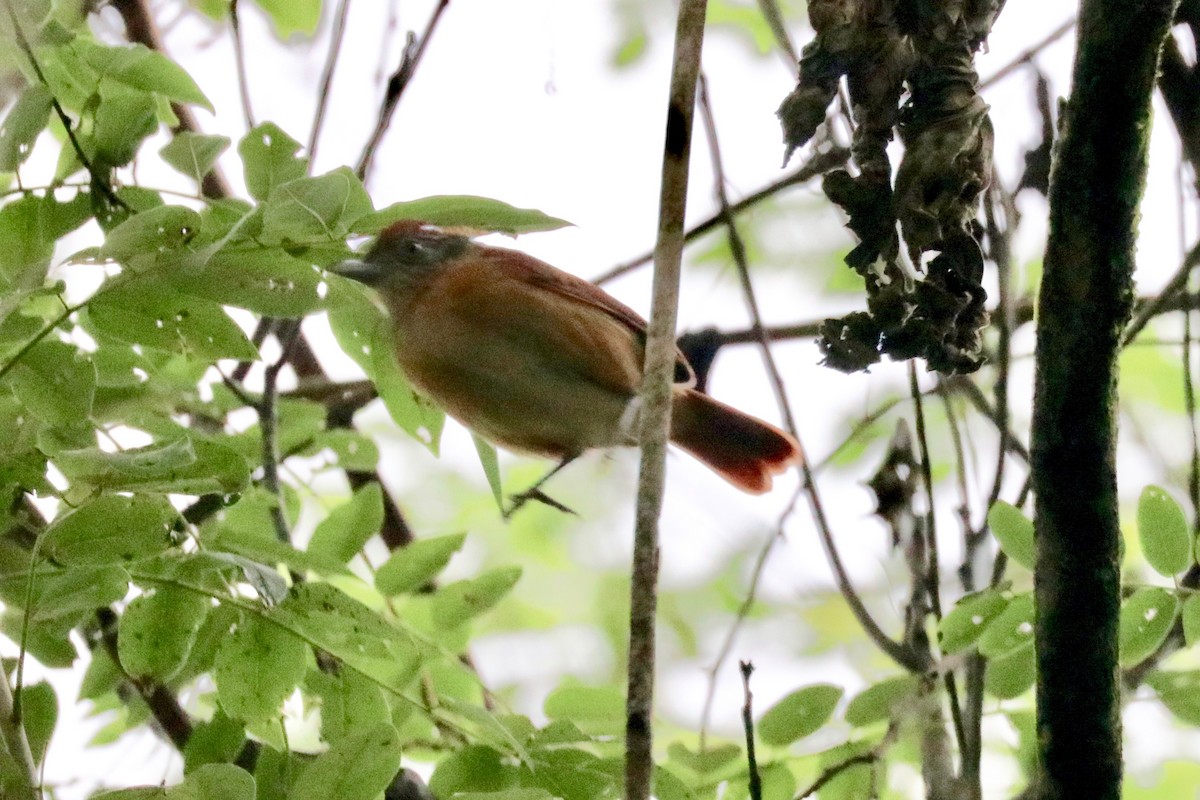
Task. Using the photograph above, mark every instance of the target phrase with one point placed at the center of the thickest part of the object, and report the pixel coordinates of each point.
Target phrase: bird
(539, 361)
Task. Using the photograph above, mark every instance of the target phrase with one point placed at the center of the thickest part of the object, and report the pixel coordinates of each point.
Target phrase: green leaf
(1191, 620)
(113, 529)
(341, 535)
(194, 154)
(480, 213)
(349, 702)
(1179, 692)
(878, 703)
(25, 120)
(149, 70)
(60, 593)
(218, 741)
(414, 566)
(1009, 630)
(600, 709)
(359, 767)
(460, 601)
(147, 311)
(1146, 619)
(474, 768)
(56, 383)
(351, 632)
(257, 668)
(124, 118)
(968, 619)
(315, 209)
(150, 233)
(1014, 532)
(292, 16)
(183, 466)
(1011, 675)
(216, 782)
(269, 159)
(157, 631)
(263, 280)
(491, 467)
(1163, 531)
(351, 450)
(364, 333)
(711, 759)
(800, 714)
(39, 713)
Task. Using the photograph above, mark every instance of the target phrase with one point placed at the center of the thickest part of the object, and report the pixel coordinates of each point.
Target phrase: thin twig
(267, 421)
(335, 48)
(1189, 387)
(655, 396)
(98, 180)
(837, 769)
(239, 56)
(738, 248)
(397, 83)
(1028, 55)
(743, 613)
(1143, 313)
(1002, 256)
(748, 726)
(931, 578)
(775, 21)
(818, 164)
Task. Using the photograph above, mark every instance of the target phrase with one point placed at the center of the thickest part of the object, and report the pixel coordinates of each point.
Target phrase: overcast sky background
(518, 101)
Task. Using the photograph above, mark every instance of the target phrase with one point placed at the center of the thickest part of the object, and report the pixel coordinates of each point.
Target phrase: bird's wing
(527, 269)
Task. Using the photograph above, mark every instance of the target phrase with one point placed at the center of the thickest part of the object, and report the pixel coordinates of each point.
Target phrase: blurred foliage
(137, 519)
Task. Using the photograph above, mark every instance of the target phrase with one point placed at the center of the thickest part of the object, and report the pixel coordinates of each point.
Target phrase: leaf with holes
(25, 120)
(150, 233)
(1009, 630)
(968, 619)
(1146, 619)
(269, 159)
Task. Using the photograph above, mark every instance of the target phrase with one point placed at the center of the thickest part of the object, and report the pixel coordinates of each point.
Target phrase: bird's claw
(519, 500)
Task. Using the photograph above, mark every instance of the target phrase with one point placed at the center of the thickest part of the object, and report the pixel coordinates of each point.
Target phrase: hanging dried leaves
(924, 299)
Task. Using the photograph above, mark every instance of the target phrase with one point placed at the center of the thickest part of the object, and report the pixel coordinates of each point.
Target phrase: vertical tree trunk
(1085, 301)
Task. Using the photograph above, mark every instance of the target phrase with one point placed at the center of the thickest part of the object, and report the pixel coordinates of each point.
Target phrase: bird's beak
(356, 269)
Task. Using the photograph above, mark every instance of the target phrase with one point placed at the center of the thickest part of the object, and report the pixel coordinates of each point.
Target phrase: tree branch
(655, 398)
(1085, 302)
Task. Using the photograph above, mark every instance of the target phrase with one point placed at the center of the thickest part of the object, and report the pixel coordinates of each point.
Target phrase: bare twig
(267, 423)
(837, 769)
(748, 725)
(397, 83)
(239, 56)
(819, 164)
(335, 48)
(1147, 311)
(775, 21)
(998, 240)
(740, 617)
(655, 397)
(1029, 54)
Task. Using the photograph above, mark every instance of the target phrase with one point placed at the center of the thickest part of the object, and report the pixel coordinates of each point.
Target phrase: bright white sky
(516, 101)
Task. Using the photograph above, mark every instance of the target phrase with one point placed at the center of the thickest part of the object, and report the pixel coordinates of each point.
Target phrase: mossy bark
(1085, 302)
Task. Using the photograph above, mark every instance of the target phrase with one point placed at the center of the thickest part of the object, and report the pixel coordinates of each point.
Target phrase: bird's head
(404, 254)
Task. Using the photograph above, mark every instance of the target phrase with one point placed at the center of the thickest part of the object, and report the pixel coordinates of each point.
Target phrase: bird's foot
(535, 494)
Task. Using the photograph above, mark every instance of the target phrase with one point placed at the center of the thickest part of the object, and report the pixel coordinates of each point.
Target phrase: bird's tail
(740, 448)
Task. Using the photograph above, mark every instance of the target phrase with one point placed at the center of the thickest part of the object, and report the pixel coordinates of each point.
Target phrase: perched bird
(539, 361)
